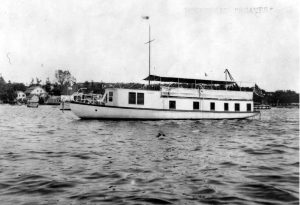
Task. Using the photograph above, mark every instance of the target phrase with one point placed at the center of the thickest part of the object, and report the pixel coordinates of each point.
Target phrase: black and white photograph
(149, 102)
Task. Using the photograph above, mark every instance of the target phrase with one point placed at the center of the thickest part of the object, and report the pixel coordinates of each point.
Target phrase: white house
(36, 90)
(21, 95)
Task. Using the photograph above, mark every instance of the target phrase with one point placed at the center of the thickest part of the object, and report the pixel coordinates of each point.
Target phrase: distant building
(20, 96)
(36, 90)
(53, 100)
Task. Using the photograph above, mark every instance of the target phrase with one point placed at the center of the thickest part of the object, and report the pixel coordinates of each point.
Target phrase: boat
(33, 102)
(186, 99)
(171, 98)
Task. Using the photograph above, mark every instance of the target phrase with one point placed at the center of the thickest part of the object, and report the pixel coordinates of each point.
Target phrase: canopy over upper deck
(187, 80)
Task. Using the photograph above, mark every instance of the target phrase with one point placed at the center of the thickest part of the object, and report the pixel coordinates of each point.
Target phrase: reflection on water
(50, 157)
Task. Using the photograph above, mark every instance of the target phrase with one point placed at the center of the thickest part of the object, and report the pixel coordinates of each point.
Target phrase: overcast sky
(104, 40)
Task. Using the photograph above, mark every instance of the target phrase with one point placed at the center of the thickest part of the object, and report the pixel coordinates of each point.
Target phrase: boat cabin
(191, 97)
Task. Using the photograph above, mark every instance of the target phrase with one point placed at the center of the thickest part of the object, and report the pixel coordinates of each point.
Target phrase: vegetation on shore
(8, 90)
(66, 84)
(279, 97)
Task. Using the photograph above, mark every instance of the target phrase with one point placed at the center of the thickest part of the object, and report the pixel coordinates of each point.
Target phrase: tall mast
(149, 51)
(149, 42)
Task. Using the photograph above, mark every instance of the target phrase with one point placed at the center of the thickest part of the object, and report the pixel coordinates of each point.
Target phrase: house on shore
(36, 90)
(21, 96)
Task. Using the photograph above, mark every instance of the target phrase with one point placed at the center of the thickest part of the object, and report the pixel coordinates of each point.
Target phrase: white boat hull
(87, 111)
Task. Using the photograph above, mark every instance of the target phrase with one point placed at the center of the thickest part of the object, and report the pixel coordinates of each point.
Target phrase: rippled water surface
(50, 157)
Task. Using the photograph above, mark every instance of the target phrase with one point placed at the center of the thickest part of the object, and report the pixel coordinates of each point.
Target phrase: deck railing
(181, 85)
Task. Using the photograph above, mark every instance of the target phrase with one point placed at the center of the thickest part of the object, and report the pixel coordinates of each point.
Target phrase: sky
(104, 40)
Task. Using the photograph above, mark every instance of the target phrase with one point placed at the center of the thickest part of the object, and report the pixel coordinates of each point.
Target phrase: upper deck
(184, 83)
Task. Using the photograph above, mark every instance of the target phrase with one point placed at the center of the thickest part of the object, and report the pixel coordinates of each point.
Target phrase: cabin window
(132, 98)
(237, 106)
(196, 105)
(172, 104)
(110, 96)
(248, 106)
(140, 98)
(226, 107)
(212, 106)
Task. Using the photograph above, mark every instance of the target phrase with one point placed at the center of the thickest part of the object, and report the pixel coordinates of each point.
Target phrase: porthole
(96, 110)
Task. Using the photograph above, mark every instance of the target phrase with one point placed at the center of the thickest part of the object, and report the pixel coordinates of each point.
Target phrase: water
(50, 157)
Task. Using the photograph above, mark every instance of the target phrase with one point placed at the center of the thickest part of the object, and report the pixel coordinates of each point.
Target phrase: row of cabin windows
(172, 105)
(136, 98)
(226, 106)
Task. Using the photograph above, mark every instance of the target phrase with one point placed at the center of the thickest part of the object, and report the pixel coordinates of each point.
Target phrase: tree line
(278, 97)
(63, 80)
(8, 90)
(65, 84)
